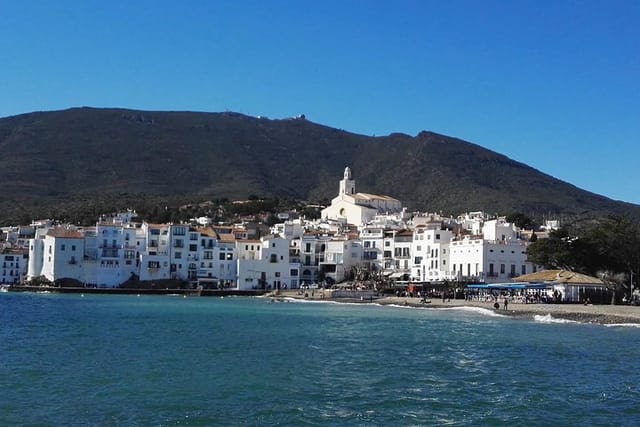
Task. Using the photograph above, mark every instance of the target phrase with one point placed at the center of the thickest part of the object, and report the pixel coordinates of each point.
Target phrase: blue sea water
(72, 360)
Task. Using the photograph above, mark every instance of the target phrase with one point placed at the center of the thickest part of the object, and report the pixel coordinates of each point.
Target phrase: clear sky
(554, 84)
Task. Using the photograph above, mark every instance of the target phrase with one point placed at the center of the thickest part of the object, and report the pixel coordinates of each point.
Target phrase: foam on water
(622, 325)
(548, 318)
(399, 306)
(315, 301)
(475, 310)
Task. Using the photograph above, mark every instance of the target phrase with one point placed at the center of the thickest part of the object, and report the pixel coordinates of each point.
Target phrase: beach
(600, 314)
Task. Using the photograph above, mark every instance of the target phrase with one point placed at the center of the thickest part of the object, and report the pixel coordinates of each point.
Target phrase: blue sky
(553, 84)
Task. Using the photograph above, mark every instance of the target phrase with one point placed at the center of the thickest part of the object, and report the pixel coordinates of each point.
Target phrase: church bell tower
(347, 185)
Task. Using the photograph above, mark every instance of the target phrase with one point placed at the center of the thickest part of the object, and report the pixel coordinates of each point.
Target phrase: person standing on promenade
(506, 302)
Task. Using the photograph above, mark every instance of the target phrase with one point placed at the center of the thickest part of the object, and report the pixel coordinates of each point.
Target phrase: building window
(502, 268)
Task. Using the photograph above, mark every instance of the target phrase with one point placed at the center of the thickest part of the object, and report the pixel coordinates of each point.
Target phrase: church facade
(358, 208)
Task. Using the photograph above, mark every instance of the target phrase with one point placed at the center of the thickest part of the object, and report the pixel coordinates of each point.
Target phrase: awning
(510, 286)
(396, 275)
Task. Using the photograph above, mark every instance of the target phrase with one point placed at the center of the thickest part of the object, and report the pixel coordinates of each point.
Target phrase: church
(358, 208)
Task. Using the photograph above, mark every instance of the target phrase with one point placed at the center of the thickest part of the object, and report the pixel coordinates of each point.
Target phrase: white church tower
(347, 185)
(357, 208)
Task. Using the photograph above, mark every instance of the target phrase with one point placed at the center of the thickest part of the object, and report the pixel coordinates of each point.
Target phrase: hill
(52, 157)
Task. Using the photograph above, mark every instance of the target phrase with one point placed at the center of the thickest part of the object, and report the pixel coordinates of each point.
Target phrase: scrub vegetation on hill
(61, 163)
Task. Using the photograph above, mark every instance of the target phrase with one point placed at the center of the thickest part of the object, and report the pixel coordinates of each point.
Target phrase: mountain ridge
(87, 151)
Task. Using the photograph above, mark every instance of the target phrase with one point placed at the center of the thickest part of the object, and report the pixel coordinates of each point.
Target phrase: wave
(475, 310)
(399, 306)
(314, 301)
(548, 318)
(622, 325)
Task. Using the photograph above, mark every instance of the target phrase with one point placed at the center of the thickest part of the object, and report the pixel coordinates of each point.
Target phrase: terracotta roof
(64, 233)
(224, 237)
(367, 196)
(249, 241)
(206, 231)
(15, 251)
(559, 276)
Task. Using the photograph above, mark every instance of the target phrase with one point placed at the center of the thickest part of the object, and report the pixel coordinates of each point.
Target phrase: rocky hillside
(49, 158)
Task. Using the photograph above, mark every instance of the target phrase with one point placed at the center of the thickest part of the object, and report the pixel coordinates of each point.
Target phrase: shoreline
(137, 291)
(588, 314)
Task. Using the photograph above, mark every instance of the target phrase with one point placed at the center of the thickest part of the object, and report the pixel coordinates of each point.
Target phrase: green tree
(553, 252)
(521, 221)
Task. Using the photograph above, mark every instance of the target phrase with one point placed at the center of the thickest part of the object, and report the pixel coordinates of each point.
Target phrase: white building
(109, 254)
(57, 255)
(358, 208)
(496, 256)
(341, 255)
(430, 249)
(372, 248)
(13, 265)
(265, 264)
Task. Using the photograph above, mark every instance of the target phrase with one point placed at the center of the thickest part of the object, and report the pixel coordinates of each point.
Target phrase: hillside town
(360, 236)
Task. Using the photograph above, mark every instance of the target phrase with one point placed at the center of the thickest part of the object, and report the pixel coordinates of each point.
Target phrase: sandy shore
(602, 314)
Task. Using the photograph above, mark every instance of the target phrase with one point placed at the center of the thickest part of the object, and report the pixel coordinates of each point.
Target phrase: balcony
(109, 253)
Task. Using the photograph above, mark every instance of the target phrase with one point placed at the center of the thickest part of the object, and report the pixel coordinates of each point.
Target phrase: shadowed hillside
(50, 157)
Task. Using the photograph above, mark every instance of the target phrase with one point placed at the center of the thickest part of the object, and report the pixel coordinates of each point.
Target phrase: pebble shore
(600, 314)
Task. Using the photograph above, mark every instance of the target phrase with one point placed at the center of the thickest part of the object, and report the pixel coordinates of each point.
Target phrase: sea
(106, 360)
